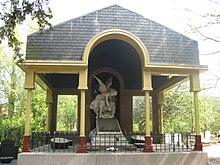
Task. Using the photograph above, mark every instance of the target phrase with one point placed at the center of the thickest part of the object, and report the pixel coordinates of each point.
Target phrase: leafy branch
(14, 12)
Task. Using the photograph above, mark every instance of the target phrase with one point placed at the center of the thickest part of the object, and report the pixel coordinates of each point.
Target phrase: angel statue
(103, 105)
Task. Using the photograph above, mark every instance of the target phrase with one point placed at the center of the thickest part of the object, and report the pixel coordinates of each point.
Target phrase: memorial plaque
(108, 125)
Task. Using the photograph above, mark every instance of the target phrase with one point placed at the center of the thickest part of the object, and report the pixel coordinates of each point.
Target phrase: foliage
(67, 112)
(139, 114)
(39, 110)
(210, 113)
(13, 12)
(178, 110)
(13, 101)
(13, 128)
(179, 115)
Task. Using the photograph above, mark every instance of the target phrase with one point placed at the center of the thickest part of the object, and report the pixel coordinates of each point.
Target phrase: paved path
(213, 152)
(13, 162)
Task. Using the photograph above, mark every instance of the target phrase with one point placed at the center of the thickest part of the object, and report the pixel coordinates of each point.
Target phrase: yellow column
(82, 113)
(147, 111)
(49, 101)
(29, 85)
(196, 108)
(160, 106)
(28, 113)
(147, 88)
(82, 87)
(195, 88)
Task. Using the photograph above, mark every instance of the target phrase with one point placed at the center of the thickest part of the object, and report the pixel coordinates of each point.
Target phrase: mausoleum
(106, 57)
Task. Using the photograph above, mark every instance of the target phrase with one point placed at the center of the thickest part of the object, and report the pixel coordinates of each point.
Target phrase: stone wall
(174, 158)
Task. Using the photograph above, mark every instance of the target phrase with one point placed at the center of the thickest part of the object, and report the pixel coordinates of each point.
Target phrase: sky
(175, 14)
(172, 13)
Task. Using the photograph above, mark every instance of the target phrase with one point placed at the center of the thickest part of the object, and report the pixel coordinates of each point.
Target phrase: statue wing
(102, 86)
(108, 83)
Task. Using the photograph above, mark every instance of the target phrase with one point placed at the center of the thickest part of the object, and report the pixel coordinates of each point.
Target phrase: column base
(148, 146)
(26, 144)
(82, 145)
(198, 143)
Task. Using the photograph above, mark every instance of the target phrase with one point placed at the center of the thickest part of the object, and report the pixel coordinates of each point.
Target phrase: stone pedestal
(108, 134)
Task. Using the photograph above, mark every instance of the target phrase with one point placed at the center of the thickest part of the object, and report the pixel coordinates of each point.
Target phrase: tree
(39, 110)
(13, 101)
(209, 113)
(178, 110)
(67, 112)
(12, 95)
(15, 12)
(139, 114)
(205, 26)
(9, 85)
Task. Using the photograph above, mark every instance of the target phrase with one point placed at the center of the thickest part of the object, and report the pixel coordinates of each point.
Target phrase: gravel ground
(213, 152)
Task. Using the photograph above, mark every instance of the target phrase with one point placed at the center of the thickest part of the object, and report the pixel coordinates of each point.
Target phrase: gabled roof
(67, 40)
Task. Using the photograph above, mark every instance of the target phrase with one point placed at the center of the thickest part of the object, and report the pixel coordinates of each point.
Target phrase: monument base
(108, 134)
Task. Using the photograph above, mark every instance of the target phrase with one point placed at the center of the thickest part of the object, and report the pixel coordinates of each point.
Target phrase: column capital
(29, 80)
(160, 98)
(194, 83)
(83, 76)
(147, 84)
(49, 98)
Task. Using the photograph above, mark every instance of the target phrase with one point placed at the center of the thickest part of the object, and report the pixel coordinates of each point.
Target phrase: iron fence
(60, 141)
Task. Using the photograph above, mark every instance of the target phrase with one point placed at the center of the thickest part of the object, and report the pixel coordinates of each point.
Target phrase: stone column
(82, 87)
(147, 88)
(195, 88)
(29, 86)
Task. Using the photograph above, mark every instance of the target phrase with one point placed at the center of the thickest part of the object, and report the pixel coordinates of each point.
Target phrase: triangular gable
(67, 40)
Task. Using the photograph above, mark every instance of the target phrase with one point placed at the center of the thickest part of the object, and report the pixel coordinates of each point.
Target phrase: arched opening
(117, 53)
(123, 37)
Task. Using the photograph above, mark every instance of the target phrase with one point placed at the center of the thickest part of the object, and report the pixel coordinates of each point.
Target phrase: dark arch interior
(120, 56)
